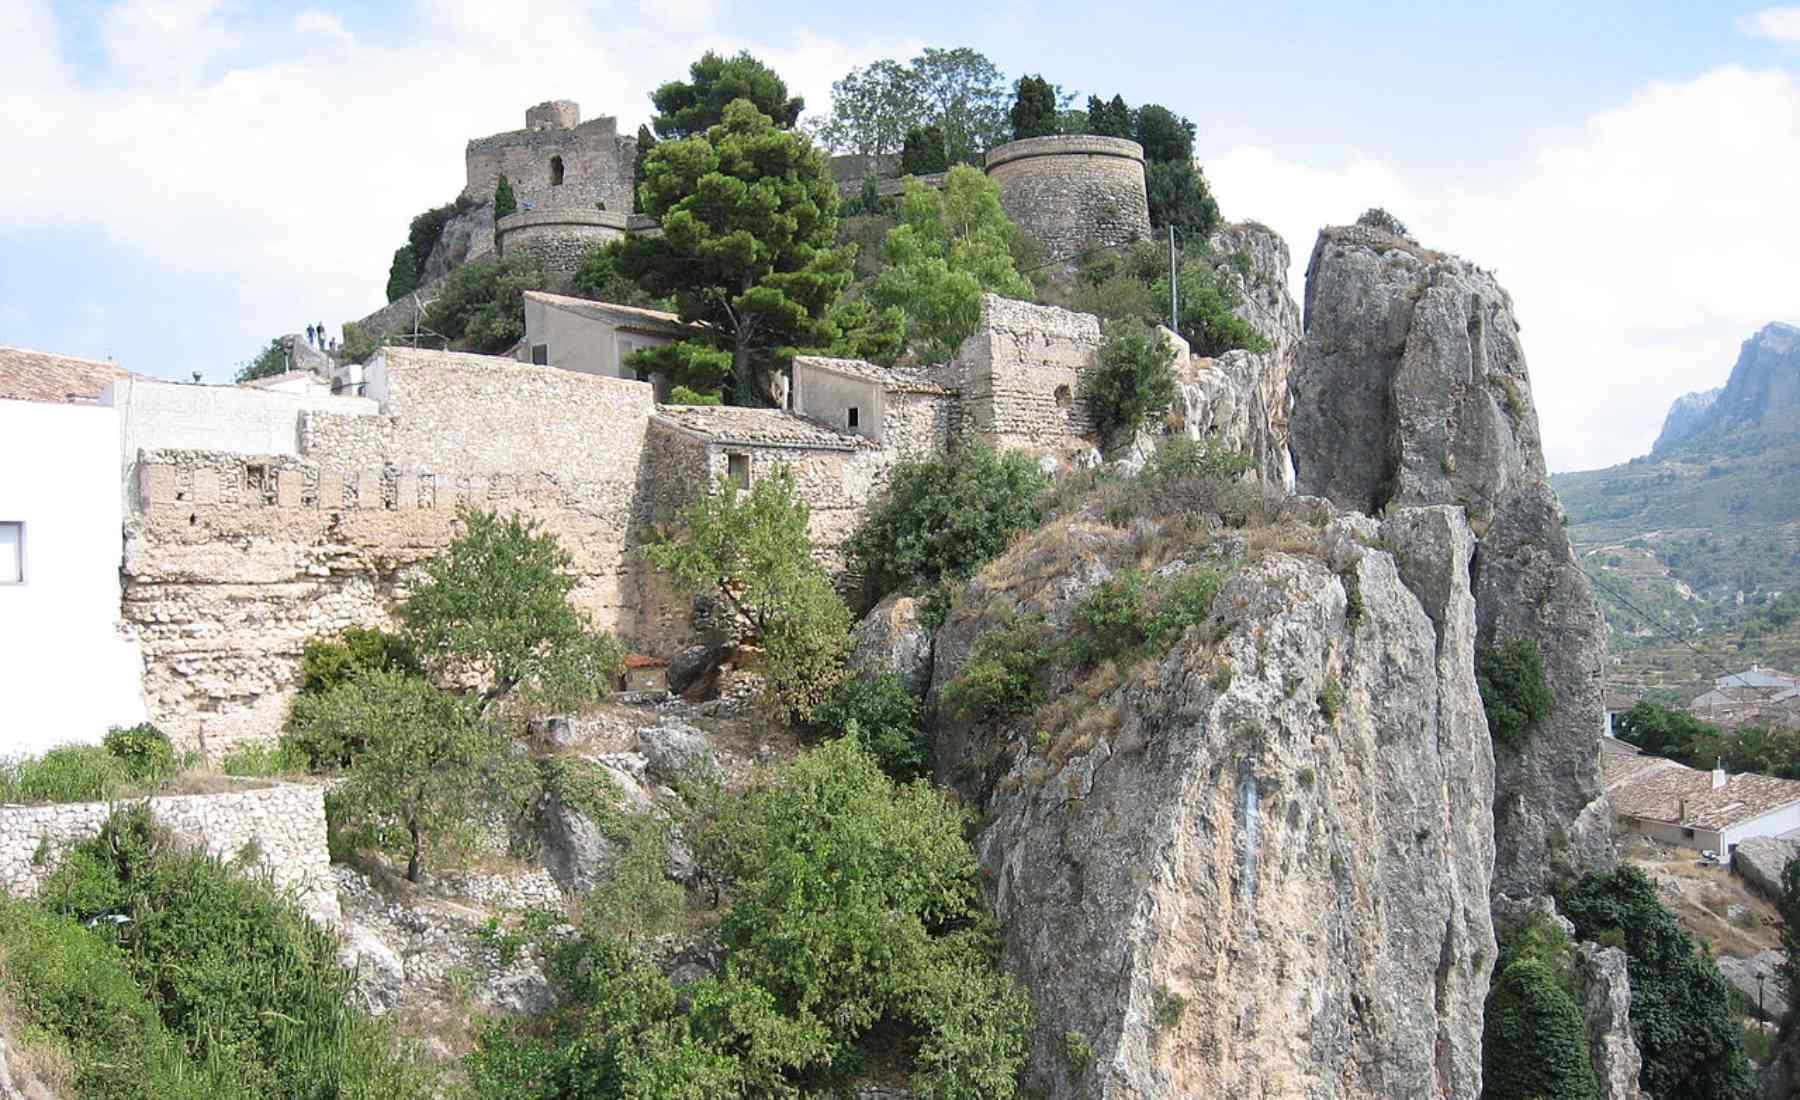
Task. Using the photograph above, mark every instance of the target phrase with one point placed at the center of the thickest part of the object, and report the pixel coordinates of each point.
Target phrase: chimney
(1681, 811)
(1718, 775)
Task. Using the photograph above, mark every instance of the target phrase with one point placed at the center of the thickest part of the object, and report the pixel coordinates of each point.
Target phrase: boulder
(891, 638)
(674, 750)
(1262, 879)
(576, 850)
(1411, 389)
(380, 973)
(1608, 1009)
(1743, 974)
(690, 665)
(521, 991)
(468, 235)
(1760, 860)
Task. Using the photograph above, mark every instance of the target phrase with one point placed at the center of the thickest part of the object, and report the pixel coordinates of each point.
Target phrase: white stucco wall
(66, 671)
(827, 397)
(1774, 823)
(170, 416)
(586, 344)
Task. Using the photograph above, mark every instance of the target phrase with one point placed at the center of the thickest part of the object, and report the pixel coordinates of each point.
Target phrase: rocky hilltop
(1763, 394)
(1269, 862)
(1686, 416)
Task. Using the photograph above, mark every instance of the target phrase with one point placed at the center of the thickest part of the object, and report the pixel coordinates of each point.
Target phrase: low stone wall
(560, 238)
(276, 830)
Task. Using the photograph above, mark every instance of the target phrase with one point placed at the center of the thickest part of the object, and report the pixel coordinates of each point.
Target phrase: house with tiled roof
(1709, 811)
(54, 379)
(1755, 696)
(593, 337)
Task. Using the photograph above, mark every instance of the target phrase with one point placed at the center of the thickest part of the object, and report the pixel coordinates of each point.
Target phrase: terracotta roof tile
(891, 379)
(1654, 788)
(60, 379)
(659, 320)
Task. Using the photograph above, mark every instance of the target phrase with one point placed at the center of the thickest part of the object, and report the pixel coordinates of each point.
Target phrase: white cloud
(1775, 24)
(1639, 254)
(292, 176)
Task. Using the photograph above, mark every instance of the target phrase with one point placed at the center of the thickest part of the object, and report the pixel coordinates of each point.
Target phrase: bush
(1207, 300)
(1513, 691)
(942, 520)
(1534, 1038)
(1178, 196)
(143, 750)
(1186, 601)
(681, 395)
(1004, 676)
(1181, 457)
(1377, 218)
(1134, 380)
(924, 152)
(428, 767)
(481, 305)
(70, 773)
(1681, 1012)
(505, 202)
(327, 662)
(241, 981)
(1112, 618)
(884, 718)
(265, 761)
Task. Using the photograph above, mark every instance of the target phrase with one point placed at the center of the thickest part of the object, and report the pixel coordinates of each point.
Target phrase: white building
(67, 672)
(594, 337)
(1705, 811)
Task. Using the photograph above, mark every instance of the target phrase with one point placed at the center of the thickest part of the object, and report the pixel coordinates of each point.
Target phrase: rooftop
(890, 379)
(1654, 788)
(1755, 677)
(656, 320)
(57, 379)
(758, 427)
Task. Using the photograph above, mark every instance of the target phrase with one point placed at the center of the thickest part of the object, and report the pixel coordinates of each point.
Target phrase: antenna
(1174, 284)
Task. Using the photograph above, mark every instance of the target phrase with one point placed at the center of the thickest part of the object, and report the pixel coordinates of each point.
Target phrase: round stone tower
(1073, 191)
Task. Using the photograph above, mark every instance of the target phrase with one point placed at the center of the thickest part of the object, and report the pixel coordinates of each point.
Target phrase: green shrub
(681, 395)
(1681, 1011)
(1331, 698)
(943, 520)
(505, 202)
(1513, 690)
(1207, 301)
(1534, 1038)
(1185, 601)
(1135, 378)
(1178, 195)
(328, 662)
(1078, 1052)
(1377, 218)
(261, 760)
(70, 773)
(1180, 457)
(481, 305)
(1112, 618)
(882, 716)
(1004, 676)
(143, 750)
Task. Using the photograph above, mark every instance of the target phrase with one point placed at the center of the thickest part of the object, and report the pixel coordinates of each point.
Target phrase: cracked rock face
(891, 638)
(1610, 1043)
(1263, 879)
(1411, 389)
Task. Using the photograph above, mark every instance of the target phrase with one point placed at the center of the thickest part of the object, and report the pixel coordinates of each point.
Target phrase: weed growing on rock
(1077, 1052)
(1513, 690)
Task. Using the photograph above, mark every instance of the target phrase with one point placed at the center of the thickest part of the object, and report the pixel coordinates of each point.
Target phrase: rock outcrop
(1249, 869)
(892, 638)
(1762, 395)
(1686, 416)
(1412, 389)
(1611, 1045)
(1760, 861)
(469, 235)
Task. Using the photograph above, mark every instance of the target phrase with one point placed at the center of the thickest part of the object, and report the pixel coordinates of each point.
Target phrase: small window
(540, 355)
(853, 416)
(12, 553)
(737, 468)
(1064, 397)
(1687, 834)
(556, 171)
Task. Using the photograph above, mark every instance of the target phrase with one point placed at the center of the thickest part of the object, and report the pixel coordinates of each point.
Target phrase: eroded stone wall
(1070, 192)
(596, 165)
(560, 239)
(278, 830)
(1021, 375)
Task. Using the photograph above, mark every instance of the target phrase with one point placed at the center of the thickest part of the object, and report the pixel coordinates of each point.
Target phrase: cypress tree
(1034, 108)
(924, 152)
(505, 202)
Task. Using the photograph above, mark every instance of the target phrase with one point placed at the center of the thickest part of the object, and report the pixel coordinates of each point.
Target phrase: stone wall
(561, 238)
(1073, 191)
(918, 424)
(596, 162)
(1020, 375)
(278, 829)
(234, 561)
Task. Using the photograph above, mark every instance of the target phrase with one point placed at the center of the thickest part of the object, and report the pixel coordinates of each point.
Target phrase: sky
(184, 179)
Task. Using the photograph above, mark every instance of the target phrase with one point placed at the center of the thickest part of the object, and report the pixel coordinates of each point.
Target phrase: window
(12, 553)
(1687, 834)
(737, 468)
(556, 171)
(1064, 397)
(853, 416)
(540, 355)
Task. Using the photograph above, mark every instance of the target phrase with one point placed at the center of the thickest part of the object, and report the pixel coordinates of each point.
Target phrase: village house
(1708, 811)
(1753, 697)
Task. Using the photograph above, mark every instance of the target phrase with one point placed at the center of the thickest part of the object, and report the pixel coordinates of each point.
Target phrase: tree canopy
(1164, 135)
(749, 220)
(874, 107)
(687, 108)
(923, 151)
(951, 246)
(1034, 108)
(269, 362)
(1109, 118)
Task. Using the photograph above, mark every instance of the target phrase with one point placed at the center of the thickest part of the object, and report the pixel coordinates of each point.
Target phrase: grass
(88, 773)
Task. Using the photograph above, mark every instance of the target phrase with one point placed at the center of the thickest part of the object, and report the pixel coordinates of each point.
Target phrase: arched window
(556, 171)
(1064, 397)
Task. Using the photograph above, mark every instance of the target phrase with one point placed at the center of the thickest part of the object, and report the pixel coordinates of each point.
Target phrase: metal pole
(1759, 1001)
(1174, 284)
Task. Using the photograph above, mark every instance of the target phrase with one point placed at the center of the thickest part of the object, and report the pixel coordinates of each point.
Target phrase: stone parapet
(561, 237)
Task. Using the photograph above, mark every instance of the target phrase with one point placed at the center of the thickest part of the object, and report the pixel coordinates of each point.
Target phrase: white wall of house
(573, 341)
(66, 671)
(827, 396)
(1774, 823)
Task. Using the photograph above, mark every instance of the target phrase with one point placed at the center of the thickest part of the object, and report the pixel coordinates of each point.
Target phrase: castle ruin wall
(1021, 376)
(596, 164)
(1071, 192)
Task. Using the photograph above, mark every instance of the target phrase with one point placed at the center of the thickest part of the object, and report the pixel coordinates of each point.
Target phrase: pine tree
(505, 202)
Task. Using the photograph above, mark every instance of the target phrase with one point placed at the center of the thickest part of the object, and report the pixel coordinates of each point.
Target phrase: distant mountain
(1695, 546)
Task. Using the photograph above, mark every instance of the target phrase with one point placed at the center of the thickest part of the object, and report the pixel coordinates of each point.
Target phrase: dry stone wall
(278, 830)
(1073, 191)
(560, 238)
(1021, 375)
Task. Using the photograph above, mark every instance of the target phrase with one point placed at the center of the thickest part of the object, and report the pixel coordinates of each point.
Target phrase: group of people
(315, 336)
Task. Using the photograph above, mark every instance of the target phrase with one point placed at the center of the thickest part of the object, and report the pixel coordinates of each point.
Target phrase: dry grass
(39, 1067)
(1701, 897)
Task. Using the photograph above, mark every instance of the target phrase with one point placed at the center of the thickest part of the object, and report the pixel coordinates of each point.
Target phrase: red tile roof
(59, 379)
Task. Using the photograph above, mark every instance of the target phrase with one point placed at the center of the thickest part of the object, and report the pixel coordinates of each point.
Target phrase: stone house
(1706, 811)
(1755, 696)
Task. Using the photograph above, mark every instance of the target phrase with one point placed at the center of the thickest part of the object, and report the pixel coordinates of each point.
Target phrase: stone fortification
(1411, 389)
(556, 161)
(278, 830)
(1073, 191)
(1249, 868)
(1020, 374)
(559, 237)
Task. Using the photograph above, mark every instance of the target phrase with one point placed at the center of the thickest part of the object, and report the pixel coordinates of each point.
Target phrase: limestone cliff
(1411, 389)
(1686, 416)
(1247, 868)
